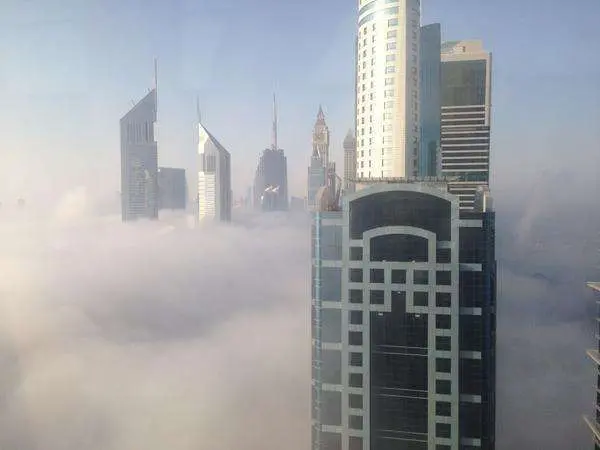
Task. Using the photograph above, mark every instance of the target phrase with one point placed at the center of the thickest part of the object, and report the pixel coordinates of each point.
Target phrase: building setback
(403, 321)
(214, 179)
(387, 88)
(466, 117)
(139, 161)
(172, 188)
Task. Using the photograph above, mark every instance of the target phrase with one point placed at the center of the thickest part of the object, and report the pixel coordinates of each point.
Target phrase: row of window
(420, 277)
(443, 343)
(377, 297)
(443, 256)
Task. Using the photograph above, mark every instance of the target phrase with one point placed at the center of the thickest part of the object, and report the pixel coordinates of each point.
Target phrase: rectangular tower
(594, 422)
(403, 322)
(466, 117)
(430, 161)
(387, 88)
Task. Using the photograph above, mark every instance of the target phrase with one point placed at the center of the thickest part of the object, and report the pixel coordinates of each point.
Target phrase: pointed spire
(155, 73)
(320, 115)
(274, 145)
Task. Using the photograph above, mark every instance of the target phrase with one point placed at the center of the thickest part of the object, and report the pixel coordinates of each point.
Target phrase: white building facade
(214, 179)
(387, 88)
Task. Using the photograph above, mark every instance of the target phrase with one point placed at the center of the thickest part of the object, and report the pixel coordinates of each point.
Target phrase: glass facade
(430, 92)
(403, 322)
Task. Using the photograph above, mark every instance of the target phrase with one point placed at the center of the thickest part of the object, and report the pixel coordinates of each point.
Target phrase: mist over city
(178, 218)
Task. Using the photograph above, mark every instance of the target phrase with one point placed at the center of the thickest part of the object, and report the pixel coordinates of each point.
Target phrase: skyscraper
(594, 423)
(349, 162)
(403, 321)
(430, 161)
(319, 161)
(139, 161)
(466, 116)
(172, 188)
(270, 180)
(387, 88)
(214, 178)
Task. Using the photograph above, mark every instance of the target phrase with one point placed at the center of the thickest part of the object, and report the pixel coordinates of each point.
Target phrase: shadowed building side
(139, 161)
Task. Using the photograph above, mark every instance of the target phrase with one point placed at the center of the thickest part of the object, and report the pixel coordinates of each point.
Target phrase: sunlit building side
(387, 88)
(214, 179)
(594, 423)
(403, 320)
(139, 161)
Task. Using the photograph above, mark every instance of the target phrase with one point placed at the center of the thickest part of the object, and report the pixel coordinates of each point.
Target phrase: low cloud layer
(155, 336)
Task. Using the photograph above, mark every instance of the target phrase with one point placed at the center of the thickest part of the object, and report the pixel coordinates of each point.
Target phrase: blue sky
(69, 69)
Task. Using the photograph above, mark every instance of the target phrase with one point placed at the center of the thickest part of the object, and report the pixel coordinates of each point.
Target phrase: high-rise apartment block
(214, 179)
(387, 88)
(594, 423)
(403, 321)
(430, 161)
(466, 117)
(139, 161)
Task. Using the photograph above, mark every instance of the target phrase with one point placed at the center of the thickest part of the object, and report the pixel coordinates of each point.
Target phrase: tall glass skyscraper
(466, 117)
(139, 161)
(387, 88)
(403, 321)
(430, 161)
(319, 161)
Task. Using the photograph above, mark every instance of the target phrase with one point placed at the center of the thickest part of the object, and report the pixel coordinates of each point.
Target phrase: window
(355, 295)
(421, 277)
(392, 22)
(356, 317)
(443, 447)
(388, 105)
(399, 276)
(389, 81)
(355, 338)
(442, 365)
(377, 276)
(443, 343)
(442, 430)
(356, 359)
(355, 422)
(355, 401)
(420, 299)
(443, 409)
(355, 443)
(390, 69)
(387, 127)
(390, 58)
(391, 46)
(443, 299)
(392, 34)
(387, 116)
(355, 275)
(443, 387)
(443, 278)
(377, 297)
(355, 380)
(356, 253)
(443, 255)
(443, 322)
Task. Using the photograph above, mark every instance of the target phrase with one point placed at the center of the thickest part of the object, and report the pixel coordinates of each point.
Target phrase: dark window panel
(331, 408)
(443, 343)
(355, 443)
(443, 278)
(443, 256)
(420, 298)
(355, 295)
(331, 366)
(399, 248)
(355, 338)
(331, 284)
(331, 325)
(377, 276)
(399, 276)
(356, 359)
(443, 387)
(421, 277)
(443, 409)
(443, 430)
(443, 365)
(356, 317)
(355, 401)
(356, 253)
(443, 299)
(355, 275)
(355, 380)
(443, 321)
(330, 441)
(355, 422)
(377, 297)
